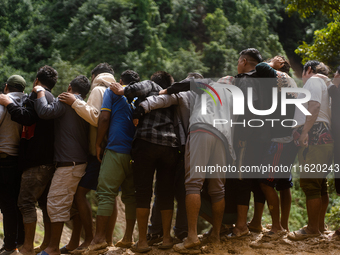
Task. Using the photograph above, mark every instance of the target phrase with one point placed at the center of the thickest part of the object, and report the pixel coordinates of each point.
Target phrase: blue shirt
(121, 130)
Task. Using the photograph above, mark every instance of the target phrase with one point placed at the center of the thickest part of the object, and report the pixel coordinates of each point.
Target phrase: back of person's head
(129, 77)
(322, 69)
(80, 85)
(252, 55)
(47, 76)
(102, 68)
(312, 64)
(286, 65)
(16, 83)
(162, 78)
(195, 76)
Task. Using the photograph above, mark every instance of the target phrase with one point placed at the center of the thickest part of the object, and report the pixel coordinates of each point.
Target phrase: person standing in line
(71, 151)
(36, 152)
(10, 173)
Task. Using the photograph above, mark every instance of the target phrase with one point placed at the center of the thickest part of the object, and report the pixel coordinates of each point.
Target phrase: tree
(305, 8)
(327, 40)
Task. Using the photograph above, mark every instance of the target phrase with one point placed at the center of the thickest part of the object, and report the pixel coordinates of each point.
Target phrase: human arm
(89, 110)
(103, 126)
(156, 102)
(138, 89)
(265, 70)
(45, 110)
(24, 114)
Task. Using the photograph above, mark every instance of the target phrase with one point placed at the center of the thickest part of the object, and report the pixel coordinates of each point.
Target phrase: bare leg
(193, 205)
(56, 231)
(101, 227)
(314, 215)
(27, 248)
(47, 230)
(76, 231)
(273, 205)
(324, 205)
(217, 212)
(241, 223)
(85, 216)
(166, 222)
(256, 222)
(286, 201)
(111, 225)
(130, 225)
(142, 221)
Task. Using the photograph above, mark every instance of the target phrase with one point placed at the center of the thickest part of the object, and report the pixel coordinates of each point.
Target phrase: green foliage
(325, 46)
(66, 72)
(217, 24)
(306, 7)
(183, 62)
(327, 40)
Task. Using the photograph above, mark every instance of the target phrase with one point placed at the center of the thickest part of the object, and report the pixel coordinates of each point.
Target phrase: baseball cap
(16, 81)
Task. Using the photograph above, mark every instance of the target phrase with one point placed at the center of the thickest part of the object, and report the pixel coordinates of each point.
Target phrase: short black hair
(162, 78)
(81, 85)
(129, 77)
(102, 68)
(195, 76)
(253, 54)
(312, 64)
(12, 89)
(48, 76)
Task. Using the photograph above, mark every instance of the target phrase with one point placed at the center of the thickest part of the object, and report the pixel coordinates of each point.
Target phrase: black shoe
(154, 238)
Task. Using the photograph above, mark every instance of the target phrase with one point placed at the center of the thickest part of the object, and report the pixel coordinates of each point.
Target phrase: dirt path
(322, 245)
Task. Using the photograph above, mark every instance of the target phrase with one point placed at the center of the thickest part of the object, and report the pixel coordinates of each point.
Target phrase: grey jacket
(10, 131)
(71, 131)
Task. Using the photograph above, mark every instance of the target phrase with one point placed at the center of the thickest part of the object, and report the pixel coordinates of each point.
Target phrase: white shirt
(319, 93)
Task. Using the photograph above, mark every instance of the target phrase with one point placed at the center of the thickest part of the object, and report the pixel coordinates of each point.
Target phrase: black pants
(181, 225)
(147, 157)
(10, 178)
(250, 155)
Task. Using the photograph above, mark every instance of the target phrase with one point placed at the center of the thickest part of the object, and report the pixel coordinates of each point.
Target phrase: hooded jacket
(90, 111)
(10, 131)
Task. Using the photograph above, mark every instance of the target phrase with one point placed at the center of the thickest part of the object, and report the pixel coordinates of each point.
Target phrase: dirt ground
(320, 245)
(248, 245)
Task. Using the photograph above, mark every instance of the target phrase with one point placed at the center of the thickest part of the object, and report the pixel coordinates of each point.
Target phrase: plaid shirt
(157, 126)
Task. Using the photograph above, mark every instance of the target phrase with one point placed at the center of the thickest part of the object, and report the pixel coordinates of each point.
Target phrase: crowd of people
(147, 137)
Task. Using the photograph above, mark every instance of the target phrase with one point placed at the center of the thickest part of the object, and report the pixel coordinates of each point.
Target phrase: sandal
(122, 244)
(232, 235)
(135, 248)
(254, 229)
(300, 234)
(63, 250)
(192, 248)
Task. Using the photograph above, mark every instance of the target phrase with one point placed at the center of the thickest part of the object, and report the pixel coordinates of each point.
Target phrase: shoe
(11, 252)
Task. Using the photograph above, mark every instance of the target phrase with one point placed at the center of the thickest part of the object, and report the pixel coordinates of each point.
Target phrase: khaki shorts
(63, 187)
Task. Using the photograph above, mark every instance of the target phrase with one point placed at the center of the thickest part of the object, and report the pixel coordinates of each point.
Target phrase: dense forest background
(178, 36)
